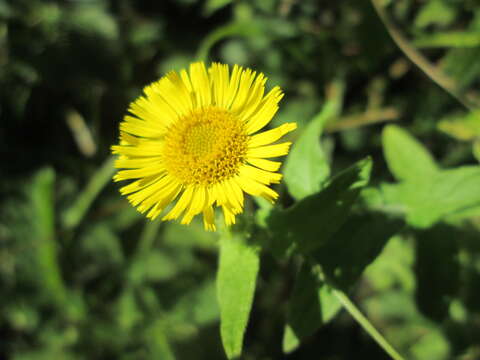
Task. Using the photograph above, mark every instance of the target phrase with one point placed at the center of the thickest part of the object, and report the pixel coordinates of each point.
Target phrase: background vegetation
(84, 276)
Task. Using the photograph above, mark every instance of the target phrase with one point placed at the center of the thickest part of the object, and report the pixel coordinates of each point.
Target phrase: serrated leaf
(311, 305)
(311, 222)
(236, 279)
(406, 158)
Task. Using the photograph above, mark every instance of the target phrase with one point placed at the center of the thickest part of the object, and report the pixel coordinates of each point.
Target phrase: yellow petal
(228, 215)
(269, 151)
(181, 204)
(265, 164)
(197, 204)
(266, 112)
(200, 84)
(262, 176)
(270, 136)
(209, 218)
(168, 196)
(254, 188)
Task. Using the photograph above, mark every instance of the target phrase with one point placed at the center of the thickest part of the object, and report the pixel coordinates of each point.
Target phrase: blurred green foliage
(84, 276)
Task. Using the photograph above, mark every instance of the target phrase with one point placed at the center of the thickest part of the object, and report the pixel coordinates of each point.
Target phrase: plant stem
(75, 213)
(367, 326)
(421, 61)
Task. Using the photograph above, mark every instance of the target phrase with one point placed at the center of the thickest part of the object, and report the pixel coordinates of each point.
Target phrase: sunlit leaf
(236, 279)
(406, 158)
(429, 199)
(307, 168)
(465, 128)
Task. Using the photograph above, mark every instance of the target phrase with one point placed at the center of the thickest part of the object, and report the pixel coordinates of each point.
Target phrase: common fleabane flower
(192, 141)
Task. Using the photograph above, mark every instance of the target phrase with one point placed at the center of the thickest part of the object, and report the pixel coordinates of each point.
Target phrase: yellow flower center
(205, 147)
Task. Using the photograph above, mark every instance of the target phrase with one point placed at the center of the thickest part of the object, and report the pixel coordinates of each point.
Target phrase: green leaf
(311, 222)
(406, 158)
(236, 279)
(93, 20)
(367, 234)
(128, 313)
(42, 198)
(430, 199)
(157, 341)
(213, 5)
(435, 12)
(306, 168)
(450, 39)
(465, 128)
(311, 305)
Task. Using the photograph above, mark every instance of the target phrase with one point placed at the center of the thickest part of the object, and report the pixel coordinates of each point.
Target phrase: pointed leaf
(311, 222)
(406, 158)
(306, 167)
(367, 234)
(462, 127)
(236, 279)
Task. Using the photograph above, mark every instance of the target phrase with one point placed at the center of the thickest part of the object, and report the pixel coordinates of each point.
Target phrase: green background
(84, 276)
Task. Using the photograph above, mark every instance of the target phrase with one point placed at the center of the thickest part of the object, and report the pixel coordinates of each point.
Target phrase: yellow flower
(192, 137)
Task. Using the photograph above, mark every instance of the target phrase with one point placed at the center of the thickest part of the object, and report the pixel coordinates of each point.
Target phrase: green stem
(367, 326)
(418, 59)
(232, 29)
(75, 213)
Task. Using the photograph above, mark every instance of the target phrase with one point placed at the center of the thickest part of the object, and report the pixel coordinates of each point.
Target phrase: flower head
(192, 141)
